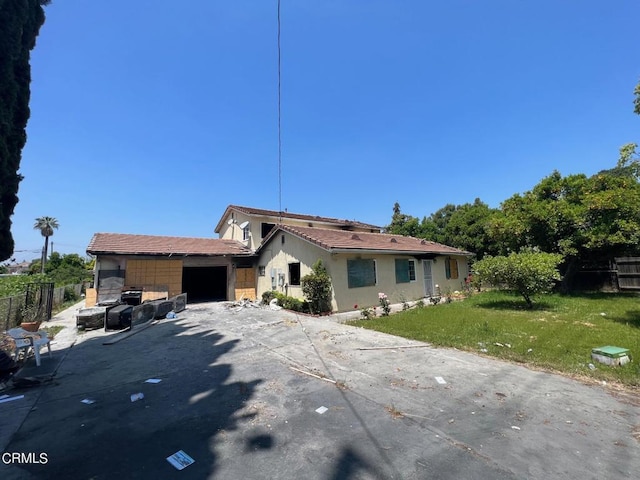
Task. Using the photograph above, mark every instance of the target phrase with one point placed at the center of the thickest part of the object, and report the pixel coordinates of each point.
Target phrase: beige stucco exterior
(276, 257)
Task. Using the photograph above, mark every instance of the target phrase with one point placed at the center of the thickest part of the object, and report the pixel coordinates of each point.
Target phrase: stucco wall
(452, 284)
(278, 256)
(346, 298)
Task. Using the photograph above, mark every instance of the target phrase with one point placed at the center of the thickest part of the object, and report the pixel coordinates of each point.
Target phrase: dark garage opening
(204, 284)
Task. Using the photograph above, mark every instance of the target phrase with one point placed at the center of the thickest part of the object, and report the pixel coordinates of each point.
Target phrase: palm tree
(46, 226)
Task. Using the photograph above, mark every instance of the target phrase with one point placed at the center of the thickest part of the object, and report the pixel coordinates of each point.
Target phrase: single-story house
(361, 265)
(260, 250)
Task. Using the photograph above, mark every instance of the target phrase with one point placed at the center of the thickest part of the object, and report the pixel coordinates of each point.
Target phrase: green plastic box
(611, 355)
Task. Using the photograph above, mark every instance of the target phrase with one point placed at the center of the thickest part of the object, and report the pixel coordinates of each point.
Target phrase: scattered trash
(88, 401)
(515, 427)
(171, 314)
(498, 344)
(313, 375)
(321, 410)
(244, 303)
(508, 345)
(592, 366)
(451, 420)
(530, 350)
(10, 399)
(180, 460)
(137, 396)
(273, 304)
(440, 380)
(153, 380)
(603, 314)
(484, 350)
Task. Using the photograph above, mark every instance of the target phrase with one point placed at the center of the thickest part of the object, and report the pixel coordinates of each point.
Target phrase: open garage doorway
(205, 284)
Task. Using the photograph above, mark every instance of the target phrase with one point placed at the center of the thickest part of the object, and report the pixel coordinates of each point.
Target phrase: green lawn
(557, 334)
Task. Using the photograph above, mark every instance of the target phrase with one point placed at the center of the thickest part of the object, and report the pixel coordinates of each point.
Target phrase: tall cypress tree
(20, 22)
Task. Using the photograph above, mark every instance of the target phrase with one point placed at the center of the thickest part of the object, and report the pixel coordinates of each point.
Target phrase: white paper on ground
(137, 396)
(321, 410)
(9, 399)
(180, 460)
(88, 401)
(440, 380)
(153, 380)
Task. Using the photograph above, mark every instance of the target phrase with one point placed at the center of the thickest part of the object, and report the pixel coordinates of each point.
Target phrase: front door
(428, 278)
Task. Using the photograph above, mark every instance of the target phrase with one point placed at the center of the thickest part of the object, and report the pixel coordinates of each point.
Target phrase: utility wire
(279, 128)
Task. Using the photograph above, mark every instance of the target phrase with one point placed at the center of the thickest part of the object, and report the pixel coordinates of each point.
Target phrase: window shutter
(454, 268)
(402, 271)
(447, 267)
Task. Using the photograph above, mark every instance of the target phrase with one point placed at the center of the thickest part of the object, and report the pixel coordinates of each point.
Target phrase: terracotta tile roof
(296, 216)
(120, 243)
(339, 240)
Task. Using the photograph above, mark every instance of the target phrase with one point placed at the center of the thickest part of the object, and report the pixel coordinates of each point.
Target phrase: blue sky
(150, 117)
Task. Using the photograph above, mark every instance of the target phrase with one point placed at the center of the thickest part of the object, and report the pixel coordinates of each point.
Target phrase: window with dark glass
(294, 273)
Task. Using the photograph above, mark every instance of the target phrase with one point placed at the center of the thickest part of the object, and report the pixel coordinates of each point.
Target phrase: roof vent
(393, 240)
(355, 237)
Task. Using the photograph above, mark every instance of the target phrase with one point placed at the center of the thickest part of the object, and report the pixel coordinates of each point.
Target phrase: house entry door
(428, 278)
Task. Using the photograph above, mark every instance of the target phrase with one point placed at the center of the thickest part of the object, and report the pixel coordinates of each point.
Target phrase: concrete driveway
(262, 394)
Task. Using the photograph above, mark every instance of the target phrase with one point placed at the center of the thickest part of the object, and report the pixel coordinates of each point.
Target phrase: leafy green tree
(67, 269)
(20, 22)
(402, 224)
(46, 225)
(316, 287)
(528, 273)
(636, 100)
(467, 229)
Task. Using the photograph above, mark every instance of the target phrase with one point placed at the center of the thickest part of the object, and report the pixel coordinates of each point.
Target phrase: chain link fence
(13, 309)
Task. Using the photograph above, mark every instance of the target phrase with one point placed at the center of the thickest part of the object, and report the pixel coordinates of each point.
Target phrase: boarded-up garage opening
(205, 284)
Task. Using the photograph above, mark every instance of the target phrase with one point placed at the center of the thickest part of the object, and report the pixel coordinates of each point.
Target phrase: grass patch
(52, 331)
(557, 334)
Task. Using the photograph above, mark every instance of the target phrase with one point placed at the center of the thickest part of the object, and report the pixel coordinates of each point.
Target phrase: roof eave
(397, 252)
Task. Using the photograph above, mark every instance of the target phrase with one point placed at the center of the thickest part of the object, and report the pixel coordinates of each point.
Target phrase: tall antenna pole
(279, 128)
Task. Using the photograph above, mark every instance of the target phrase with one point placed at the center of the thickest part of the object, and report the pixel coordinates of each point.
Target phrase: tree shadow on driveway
(115, 437)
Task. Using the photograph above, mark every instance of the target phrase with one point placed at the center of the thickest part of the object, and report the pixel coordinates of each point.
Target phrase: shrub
(70, 295)
(316, 287)
(529, 272)
(285, 301)
(268, 296)
(384, 303)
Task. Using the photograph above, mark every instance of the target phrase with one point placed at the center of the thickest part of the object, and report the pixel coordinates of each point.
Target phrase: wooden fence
(628, 273)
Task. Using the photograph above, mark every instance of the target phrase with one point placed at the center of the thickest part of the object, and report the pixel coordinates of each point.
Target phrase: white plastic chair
(33, 340)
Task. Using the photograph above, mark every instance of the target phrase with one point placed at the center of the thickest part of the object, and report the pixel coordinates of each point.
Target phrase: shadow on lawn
(514, 304)
(631, 318)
